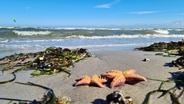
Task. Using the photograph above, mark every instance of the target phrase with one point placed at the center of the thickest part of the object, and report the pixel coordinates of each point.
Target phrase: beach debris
(146, 60)
(178, 79)
(117, 98)
(94, 80)
(52, 60)
(119, 78)
(179, 62)
(63, 100)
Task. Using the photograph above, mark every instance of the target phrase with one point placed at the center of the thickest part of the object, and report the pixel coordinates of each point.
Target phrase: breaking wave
(90, 33)
(162, 31)
(29, 39)
(31, 33)
(128, 36)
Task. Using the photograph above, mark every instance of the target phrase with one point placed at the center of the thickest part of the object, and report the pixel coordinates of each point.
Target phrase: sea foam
(31, 33)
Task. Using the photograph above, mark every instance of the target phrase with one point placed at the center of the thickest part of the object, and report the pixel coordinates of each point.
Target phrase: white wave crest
(129, 36)
(102, 45)
(31, 33)
(4, 40)
(37, 40)
(162, 31)
(84, 28)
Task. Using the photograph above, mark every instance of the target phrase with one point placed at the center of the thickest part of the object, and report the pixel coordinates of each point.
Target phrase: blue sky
(91, 12)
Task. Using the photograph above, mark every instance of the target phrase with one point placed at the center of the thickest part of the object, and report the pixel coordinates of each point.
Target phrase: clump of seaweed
(54, 60)
(179, 62)
(178, 79)
(50, 61)
(62, 100)
(167, 47)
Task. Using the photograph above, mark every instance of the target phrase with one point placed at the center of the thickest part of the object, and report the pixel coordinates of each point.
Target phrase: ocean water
(25, 40)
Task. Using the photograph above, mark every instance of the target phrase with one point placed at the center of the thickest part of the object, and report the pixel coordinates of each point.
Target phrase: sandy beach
(156, 68)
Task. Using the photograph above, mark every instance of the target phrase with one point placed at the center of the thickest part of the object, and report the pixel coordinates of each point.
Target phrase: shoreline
(101, 62)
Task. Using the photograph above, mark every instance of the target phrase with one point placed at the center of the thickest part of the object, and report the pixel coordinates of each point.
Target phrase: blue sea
(29, 39)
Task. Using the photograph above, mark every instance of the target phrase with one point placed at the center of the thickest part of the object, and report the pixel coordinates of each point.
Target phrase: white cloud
(103, 6)
(144, 12)
(108, 5)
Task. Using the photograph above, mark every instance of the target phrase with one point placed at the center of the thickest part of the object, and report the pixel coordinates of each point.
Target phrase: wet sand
(156, 68)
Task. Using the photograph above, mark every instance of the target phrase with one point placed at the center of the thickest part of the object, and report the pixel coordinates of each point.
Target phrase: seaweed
(177, 47)
(51, 60)
(179, 62)
(49, 98)
(7, 81)
(178, 79)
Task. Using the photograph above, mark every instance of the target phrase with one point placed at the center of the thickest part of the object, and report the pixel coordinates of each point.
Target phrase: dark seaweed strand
(14, 77)
(50, 92)
(162, 83)
(33, 84)
(66, 71)
(22, 68)
(67, 56)
(181, 93)
(167, 91)
(78, 59)
(173, 97)
(163, 80)
(53, 97)
(164, 92)
(11, 99)
(61, 70)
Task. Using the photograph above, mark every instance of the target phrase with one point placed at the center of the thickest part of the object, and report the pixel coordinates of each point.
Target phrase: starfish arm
(108, 75)
(98, 84)
(103, 80)
(117, 81)
(98, 81)
(83, 81)
(132, 78)
(130, 71)
(112, 73)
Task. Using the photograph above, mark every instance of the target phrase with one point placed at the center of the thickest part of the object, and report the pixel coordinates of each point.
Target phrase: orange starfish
(94, 80)
(120, 77)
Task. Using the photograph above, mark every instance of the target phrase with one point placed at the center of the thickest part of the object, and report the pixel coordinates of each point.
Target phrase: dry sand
(101, 62)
